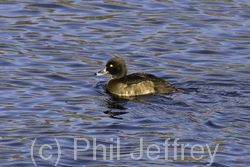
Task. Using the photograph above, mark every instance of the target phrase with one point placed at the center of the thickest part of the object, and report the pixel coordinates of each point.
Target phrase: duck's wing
(136, 78)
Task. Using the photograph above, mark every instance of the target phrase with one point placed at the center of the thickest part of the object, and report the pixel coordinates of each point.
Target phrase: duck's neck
(121, 75)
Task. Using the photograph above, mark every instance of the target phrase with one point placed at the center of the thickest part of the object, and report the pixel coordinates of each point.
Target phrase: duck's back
(138, 84)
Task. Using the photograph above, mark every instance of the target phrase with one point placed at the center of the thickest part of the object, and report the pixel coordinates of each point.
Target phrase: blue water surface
(54, 111)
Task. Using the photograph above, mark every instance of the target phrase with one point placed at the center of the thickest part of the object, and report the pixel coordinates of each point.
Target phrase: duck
(123, 85)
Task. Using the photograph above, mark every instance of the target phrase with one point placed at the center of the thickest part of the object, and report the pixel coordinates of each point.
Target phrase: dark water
(49, 51)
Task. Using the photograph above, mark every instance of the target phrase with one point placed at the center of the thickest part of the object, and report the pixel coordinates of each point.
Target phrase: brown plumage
(134, 84)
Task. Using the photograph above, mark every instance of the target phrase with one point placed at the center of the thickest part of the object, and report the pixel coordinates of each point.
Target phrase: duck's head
(115, 67)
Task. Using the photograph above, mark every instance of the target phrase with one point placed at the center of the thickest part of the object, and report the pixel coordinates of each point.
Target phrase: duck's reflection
(116, 104)
(114, 114)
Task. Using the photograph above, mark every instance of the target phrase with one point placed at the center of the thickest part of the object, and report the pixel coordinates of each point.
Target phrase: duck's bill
(102, 72)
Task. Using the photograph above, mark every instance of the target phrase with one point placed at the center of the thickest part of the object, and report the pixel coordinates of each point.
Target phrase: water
(51, 49)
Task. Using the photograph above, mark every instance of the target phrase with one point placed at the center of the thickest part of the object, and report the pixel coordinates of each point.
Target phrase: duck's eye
(111, 65)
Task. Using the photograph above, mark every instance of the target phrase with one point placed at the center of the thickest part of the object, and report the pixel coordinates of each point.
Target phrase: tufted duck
(121, 84)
